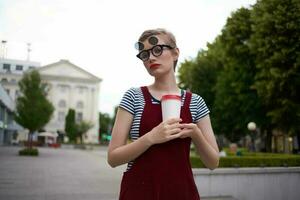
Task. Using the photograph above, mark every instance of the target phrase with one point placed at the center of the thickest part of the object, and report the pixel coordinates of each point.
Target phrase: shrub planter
(29, 152)
(274, 183)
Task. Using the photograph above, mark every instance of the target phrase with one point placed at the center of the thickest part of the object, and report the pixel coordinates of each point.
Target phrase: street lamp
(252, 127)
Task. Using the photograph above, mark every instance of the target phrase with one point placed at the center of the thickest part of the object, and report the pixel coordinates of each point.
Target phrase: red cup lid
(170, 96)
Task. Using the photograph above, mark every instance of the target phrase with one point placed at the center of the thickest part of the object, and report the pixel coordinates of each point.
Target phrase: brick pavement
(58, 174)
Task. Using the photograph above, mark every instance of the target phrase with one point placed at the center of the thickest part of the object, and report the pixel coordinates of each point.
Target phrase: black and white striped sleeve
(128, 100)
(202, 109)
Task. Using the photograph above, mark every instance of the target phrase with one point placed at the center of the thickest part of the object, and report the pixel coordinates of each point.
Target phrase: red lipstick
(154, 65)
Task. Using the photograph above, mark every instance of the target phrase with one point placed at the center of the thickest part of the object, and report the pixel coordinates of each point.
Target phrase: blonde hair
(159, 31)
(171, 40)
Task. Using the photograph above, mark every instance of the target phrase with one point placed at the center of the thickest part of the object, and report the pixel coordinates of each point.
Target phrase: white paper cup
(171, 106)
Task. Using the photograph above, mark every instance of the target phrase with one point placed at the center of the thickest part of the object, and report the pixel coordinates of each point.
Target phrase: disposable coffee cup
(171, 106)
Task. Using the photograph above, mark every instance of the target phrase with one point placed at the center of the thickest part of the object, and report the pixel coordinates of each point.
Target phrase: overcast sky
(99, 35)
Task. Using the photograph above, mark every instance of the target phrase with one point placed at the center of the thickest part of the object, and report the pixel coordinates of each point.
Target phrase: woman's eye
(144, 55)
(157, 50)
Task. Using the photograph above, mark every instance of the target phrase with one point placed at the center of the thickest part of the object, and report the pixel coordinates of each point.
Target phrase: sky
(99, 35)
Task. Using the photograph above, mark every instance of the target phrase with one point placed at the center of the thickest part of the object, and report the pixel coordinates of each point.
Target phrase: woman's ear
(176, 53)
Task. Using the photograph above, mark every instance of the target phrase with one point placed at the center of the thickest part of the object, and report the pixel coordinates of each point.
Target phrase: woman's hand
(189, 130)
(165, 131)
(204, 140)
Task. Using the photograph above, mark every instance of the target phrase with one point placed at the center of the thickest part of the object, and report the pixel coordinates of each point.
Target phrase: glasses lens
(144, 55)
(157, 50)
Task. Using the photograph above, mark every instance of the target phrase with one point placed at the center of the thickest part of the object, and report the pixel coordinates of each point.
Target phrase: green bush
(252, 161)
(29, 152)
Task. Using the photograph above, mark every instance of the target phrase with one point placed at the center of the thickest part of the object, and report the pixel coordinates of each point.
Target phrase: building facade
(8, 128)
(11, 72)
(70, 87)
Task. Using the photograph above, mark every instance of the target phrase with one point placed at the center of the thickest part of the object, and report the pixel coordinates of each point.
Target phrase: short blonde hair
(171, 40)
(159, 31)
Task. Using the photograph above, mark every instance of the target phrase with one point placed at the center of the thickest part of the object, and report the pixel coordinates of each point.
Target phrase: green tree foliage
(33, 110)
(235, 97)
(200, 74)
(70, 125)
(251, 71)
(276, 44)
(81, 128)
(105, 122)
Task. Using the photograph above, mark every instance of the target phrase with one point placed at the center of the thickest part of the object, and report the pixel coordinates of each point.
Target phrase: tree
(251, 71)
(199, 75)
(105, 122)
(235, 97)
(33, 110)
(275, 42)
(81, 128)
(223, 76)
(70, 125)
(115, 115)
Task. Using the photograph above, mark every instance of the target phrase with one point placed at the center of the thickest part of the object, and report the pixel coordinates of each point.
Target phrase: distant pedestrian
(158, 158)
(222, 152)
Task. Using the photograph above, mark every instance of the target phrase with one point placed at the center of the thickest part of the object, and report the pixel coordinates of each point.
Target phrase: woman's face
(164, 56)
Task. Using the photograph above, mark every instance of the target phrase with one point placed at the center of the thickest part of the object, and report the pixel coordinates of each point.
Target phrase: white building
(11, 71)
(70, 87)
(8, 128)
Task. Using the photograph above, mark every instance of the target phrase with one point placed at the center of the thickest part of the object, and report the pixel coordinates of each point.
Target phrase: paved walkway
(58, 174)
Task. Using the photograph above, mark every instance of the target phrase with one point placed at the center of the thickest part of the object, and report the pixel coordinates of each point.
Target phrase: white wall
(281, 183)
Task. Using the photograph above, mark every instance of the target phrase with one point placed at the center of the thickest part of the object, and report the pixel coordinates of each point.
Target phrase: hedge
(252, 161)
(29, 152)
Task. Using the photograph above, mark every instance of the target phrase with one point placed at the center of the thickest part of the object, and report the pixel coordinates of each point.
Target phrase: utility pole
(28, 51)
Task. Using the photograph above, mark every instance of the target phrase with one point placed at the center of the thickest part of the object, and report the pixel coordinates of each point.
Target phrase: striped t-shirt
(133, 101)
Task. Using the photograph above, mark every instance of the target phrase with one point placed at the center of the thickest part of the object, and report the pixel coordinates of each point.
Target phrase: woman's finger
(189, 126)
(173, 120)
(174, 131)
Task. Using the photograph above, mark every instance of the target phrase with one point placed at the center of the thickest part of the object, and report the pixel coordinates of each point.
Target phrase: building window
(79, 104)
(62, 104)
(63, 88)
(31, 67)
(61, 117)
(6, 66)
(81, 89)
(9, 118)
(79, 117)
(1, 114)
(7, 91)
(19, 67)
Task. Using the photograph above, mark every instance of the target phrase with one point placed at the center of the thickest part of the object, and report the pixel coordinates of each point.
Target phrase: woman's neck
(165, 84)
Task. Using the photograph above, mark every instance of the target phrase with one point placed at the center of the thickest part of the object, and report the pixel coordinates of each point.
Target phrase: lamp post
(252, 127)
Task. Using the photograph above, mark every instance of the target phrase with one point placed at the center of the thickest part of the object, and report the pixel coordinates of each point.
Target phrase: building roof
(70, 71)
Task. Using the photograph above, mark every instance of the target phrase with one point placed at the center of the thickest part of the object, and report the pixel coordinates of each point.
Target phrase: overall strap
(147, 95)
(187, 102)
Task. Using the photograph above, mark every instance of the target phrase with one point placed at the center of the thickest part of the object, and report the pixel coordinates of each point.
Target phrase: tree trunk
(30, 139)
(80, 138)
(269, 140)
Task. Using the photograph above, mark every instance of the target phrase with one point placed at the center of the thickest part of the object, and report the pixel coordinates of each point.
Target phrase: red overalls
(163, 172)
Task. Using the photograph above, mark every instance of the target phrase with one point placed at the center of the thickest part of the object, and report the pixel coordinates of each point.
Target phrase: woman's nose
(152, 57)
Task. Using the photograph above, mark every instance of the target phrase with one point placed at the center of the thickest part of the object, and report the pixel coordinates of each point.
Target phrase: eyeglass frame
(151, 49)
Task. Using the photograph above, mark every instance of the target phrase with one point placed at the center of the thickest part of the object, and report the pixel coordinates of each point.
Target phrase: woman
(158, 157)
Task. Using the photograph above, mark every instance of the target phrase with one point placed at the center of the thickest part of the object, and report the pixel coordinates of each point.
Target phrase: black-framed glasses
(156, 51)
